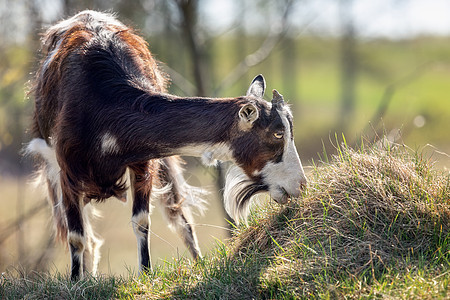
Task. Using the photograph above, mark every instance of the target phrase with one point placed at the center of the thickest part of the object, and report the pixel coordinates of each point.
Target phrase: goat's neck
(169, 125)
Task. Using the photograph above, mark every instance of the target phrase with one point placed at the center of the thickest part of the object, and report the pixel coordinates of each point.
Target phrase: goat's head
(264, 150)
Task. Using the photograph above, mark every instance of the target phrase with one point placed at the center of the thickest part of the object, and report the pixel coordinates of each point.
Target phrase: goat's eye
(278, 135)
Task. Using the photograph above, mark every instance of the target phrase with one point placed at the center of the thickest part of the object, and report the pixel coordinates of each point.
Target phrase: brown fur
(98, 81)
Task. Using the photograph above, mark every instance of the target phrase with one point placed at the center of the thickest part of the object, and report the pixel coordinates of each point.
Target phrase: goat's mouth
(282, 196)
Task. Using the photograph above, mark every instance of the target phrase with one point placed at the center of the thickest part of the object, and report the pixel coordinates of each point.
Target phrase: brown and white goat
(104, 123)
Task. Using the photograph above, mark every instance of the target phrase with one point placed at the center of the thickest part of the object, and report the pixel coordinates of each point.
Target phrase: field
(416, 73)
(373, 223)
(412, 74)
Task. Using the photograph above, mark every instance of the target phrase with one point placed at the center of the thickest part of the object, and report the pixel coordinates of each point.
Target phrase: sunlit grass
(374, 222)
(20, 285)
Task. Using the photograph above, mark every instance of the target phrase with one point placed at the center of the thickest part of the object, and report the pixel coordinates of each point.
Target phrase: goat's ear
(247, 115)
(257, 87)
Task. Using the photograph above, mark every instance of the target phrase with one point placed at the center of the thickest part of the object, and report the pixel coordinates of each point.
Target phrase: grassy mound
(374, 222)
(365, 214)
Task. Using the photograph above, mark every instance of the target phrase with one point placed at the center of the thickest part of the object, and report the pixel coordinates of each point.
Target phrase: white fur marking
(234, 179)
(209, 153)
(93, 242)
(287, 174)
(256, 173)
(40, 146)
(77, 240)
(50, 57)
(109, 144)
(142, 219)
(95, 17)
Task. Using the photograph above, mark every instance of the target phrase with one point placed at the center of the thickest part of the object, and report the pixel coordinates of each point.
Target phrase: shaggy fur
(103, 123)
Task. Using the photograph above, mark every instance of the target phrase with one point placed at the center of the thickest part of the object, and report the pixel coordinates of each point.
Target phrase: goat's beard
(239, 189)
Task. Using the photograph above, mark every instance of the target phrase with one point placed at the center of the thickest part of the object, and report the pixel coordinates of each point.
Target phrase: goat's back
(90, 61)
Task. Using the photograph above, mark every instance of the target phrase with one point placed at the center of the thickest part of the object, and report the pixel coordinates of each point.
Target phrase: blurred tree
(348, 62)
(189, 17)
(15, 63)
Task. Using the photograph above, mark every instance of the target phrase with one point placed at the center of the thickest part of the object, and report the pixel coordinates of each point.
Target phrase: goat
(104, 122)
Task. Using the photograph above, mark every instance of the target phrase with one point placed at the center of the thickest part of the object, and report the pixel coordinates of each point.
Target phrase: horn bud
(277, 98)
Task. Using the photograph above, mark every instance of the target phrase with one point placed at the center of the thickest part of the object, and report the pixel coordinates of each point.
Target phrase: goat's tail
(48, 176)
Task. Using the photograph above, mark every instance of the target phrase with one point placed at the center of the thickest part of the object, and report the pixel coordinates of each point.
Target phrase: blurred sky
(372, 18)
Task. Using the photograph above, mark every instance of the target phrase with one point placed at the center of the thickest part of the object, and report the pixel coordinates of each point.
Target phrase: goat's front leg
(91, 255)
(76, 233)
(141, 182)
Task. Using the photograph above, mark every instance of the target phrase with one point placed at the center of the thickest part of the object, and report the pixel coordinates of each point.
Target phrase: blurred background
(358, 67)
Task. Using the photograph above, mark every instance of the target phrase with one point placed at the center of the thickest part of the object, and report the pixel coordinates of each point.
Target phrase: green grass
(19, 285)
(373, 223)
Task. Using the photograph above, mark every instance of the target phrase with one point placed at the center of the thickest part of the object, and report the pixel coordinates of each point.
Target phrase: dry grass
(373, 222)
(365, 212)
